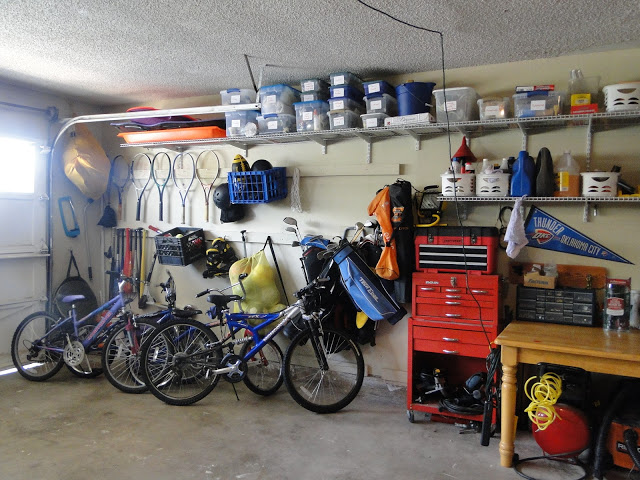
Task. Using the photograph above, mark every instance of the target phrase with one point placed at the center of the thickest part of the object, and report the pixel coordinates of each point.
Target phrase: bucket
(414, 97)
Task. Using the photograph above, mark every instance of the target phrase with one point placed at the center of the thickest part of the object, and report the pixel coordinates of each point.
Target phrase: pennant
(544, 231)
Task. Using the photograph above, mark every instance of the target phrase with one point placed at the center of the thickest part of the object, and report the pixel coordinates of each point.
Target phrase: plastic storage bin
(183, 250)
(464, 184)
(276, 123)
(622, 97)
(371, 120)
(345, 103)
(348, 92)
(384, 103)
(257, 187)
(312, 116)
(378, 87)
(492, 184)
(600, 184)
(345, 78)
(236, 96)
(313, 85)
(242, 123)
(462, 104)
(537, 104)
(278, 99)
(340, 119)
(494, 108)
(311, 96)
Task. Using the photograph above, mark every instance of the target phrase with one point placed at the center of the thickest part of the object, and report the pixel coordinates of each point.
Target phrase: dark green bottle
(545, 179)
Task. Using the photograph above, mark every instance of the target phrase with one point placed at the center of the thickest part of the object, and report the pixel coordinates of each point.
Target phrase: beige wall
(333, 202)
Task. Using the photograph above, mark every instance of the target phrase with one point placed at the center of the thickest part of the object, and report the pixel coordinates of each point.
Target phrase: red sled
(457, 249)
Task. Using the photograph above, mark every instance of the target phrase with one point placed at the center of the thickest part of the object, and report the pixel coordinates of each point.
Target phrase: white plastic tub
(622, 97)
(463, 185)
(492, 184)
(600, 184)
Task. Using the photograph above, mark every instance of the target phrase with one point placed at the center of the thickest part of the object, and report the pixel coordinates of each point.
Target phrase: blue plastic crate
(258, 187)
(378, 87)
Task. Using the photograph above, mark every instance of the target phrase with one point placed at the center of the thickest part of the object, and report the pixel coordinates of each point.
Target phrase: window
(18, 166)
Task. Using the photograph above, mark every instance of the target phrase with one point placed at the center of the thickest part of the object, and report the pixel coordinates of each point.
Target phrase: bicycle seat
(222, 300)
(70, 298)
(186, 312)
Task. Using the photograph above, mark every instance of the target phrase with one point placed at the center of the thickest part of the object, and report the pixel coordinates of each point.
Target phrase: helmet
(260, 165)
(221, 197)
(219, 258)
(229, 212)
(568, 433)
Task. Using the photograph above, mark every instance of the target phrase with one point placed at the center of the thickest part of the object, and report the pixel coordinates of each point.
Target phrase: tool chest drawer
(447, 335)
(455, 283)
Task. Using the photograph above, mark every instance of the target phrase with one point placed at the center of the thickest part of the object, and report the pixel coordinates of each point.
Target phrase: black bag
(402, 221)
(75, 285)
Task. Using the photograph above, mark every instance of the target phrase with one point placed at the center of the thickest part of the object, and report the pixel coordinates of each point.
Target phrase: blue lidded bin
(414, 97)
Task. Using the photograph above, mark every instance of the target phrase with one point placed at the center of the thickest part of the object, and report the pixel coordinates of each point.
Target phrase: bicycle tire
(264, 370)
(24, 354)
(86, 370)
(177, 361)
(121, 358)
(317, 390)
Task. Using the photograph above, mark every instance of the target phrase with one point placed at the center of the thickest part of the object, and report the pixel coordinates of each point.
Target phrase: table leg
(508, 424)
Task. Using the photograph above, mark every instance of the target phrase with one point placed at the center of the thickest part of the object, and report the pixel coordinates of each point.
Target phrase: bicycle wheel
(30, 348)
(178, 361)
(316, 389)
(91, 365)
(121, 355)
(264, 369)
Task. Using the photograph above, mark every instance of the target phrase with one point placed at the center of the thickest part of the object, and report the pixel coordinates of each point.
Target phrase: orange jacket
(387, 266)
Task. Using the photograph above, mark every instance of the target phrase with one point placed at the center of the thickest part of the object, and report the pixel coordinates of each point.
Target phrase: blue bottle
(523, 180)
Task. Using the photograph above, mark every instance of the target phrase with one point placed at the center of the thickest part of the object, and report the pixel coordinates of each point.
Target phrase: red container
(456, 249)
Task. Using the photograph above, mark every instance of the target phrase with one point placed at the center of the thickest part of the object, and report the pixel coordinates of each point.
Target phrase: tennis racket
(207, 171)
(121, 174)
(161, 172)
(184, 171)
(140, 177)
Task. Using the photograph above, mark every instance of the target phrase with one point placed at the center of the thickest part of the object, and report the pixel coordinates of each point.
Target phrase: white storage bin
(345, 78)
(537, 104)
(340, 119)
(372, 120)
(311, 96)
(313, 85)
(494, 108)
(278, 99)
(462, 104)
(243, 123)
(492, 184)
(464, 184)
(276, 123)
(236, 96)
(345, 103)
(600, 184)
(384, 103)
(312, 116)
(622, 97)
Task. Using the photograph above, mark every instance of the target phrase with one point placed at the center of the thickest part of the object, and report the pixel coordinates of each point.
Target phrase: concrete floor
(74, 429)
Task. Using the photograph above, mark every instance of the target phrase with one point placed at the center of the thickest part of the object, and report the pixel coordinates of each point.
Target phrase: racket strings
(141, 171)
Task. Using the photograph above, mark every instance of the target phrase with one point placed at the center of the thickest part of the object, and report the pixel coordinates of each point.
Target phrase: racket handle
(160, 210)
(183, 215)
(120, 210)
(138, 211)
(206, 212)
(155, 229)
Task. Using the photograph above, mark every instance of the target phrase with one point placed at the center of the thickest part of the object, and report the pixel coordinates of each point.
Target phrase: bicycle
(323, 368)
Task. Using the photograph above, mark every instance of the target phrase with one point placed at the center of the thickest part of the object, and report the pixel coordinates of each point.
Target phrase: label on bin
(339, 105)
(371, 122)
(374, 88)
(376, 105)
(338, 121)
(492, 110)
(235, 98)
(338, 79)
(538, 104)
(235, 124)
(270, 99)
(307, 86)
(451, 106)
(307, 116)
(308, 97)
(338, 92)
(273, 125)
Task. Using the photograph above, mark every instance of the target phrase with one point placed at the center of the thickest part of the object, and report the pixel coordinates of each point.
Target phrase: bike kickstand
(235, 391)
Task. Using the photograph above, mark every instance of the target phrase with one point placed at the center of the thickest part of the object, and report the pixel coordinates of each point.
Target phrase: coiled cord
(543, 395)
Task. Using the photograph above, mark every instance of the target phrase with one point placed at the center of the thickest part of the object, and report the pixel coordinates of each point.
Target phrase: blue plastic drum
(414, 97)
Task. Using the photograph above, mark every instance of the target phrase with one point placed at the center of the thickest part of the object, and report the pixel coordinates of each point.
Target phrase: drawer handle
(453, 290)
(447, 339)
(453, 296)
(452, 303)
(453, 315)
(480, 292)
(451, 352)
(426, 289)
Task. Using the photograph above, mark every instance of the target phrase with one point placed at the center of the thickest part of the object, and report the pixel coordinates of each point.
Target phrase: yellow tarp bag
(85, 163)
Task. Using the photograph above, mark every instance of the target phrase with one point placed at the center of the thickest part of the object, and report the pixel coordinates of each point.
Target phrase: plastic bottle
(545, 181)
(504, 166)
(567, 176)
(523, 179)
(486, 166)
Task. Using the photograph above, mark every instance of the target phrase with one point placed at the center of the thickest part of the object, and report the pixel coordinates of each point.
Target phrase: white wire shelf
(629, 199)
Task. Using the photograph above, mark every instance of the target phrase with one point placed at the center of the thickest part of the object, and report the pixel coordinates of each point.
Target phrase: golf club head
(295, 243)
(290, 229)
(290, 221)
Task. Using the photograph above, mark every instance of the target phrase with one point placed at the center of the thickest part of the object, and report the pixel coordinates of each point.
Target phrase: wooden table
(590, 348)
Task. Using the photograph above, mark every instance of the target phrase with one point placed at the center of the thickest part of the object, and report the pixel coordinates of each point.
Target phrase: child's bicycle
(322, 368)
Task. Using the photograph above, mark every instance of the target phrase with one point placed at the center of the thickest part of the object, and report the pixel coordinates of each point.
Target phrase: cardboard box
(536, 280)
(578, 109)
(409, 119)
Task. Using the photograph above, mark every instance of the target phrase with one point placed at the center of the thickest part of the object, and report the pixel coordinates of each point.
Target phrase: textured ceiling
(122, 51)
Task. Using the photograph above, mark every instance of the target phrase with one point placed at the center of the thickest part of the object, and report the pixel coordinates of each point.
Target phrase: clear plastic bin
(340, 119)
(345, 103)
(313, 85)
(236, 96)
(461, 105)
(278, 99)
(345, 78)
(347, 91)
(378, 87)
(384, 103)
(311, 96)
(312, 116)
(372, 120)
(494, 108)
(537, 104)
(243, 123)
(276, 123)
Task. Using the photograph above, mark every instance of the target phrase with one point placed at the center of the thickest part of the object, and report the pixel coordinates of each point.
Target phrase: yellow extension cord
(543, 395)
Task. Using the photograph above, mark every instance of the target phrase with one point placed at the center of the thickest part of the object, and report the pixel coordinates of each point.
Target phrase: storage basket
(464, 184)
(258, 187)
(492, 184)
(183, 250)
(599, 184)
(622, 97)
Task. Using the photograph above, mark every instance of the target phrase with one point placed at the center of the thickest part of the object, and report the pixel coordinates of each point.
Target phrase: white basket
(600, 184)
(622, 97)
(492, 184)
(464, 184)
